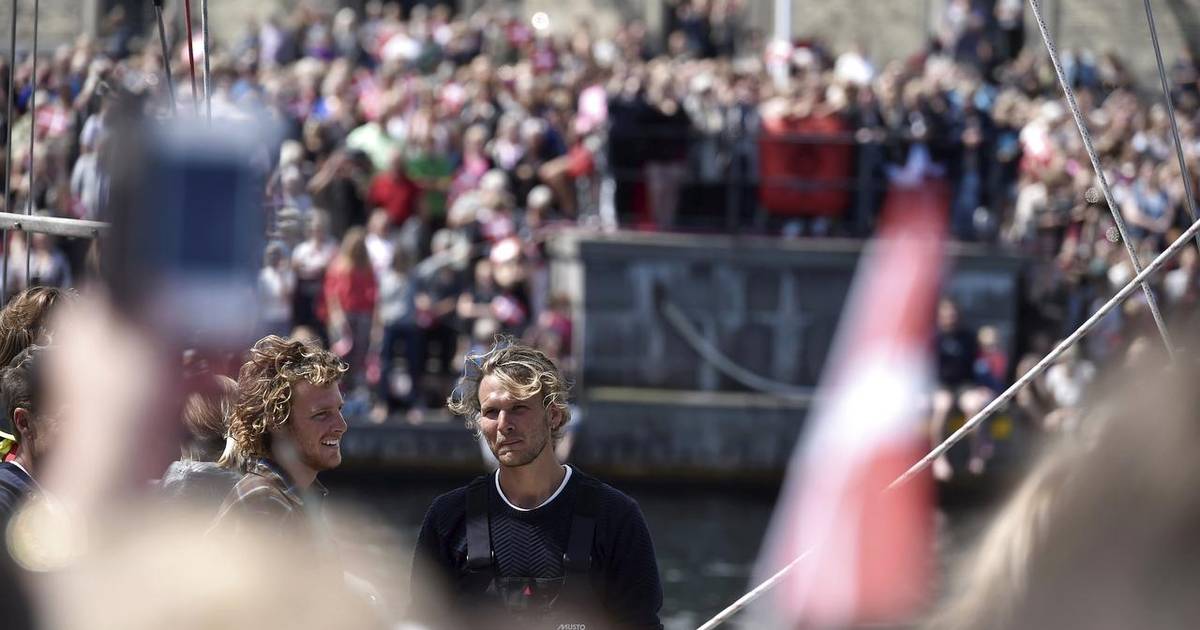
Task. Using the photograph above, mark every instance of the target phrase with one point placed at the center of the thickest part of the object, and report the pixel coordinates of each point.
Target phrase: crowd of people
(425, 162)
(426, 159)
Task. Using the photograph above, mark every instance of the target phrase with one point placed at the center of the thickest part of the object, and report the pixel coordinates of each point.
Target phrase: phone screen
(191, 237)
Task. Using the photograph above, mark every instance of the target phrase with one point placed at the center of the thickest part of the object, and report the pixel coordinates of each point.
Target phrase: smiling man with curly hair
(287, 426)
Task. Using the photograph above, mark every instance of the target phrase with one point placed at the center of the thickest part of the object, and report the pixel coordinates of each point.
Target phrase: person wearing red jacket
(350, 293)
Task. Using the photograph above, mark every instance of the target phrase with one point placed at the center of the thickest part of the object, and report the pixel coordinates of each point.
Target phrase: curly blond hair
(264, 389)
(522, 371)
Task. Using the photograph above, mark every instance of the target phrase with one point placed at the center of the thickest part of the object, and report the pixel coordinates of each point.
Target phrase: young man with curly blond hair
(538, 543)
(287, 426)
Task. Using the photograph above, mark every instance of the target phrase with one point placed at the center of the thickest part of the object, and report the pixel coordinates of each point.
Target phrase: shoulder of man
(451, 506)
(15, 484)
(611, 503)
(257, 495)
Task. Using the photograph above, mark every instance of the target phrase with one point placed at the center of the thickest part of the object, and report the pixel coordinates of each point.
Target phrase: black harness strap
(578, 558)
(479, 537)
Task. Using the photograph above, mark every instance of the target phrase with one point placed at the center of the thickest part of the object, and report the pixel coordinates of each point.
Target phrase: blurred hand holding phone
(189, 230)
(179, 267)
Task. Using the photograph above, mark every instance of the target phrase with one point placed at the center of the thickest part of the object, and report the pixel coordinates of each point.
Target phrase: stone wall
(770, 306)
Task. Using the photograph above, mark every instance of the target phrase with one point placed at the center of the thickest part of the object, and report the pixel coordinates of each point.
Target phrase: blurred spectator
(350, 294)
(26, 319)
(310, 259)
(490, 129)
(991, 366)
(394, 192)
(430, 169)
(380, 246)
(1067, 382)
(45, 263)
(1182, 285)
(959, 386)
(396, 324)
(276, 291)
(196, 478)
(340, 187)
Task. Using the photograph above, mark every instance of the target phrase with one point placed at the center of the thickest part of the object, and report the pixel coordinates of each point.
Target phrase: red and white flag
(868, 553)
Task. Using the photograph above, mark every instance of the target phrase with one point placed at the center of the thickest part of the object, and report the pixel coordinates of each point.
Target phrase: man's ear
(23, 422)
(555, 416)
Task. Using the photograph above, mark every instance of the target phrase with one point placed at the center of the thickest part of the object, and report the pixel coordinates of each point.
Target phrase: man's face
(44, 428)
(316, 425)
(947, 316)
(516, 430)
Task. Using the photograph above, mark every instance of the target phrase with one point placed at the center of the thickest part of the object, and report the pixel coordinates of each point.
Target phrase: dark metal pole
(8, 123)
(166, 53)
(32, 138)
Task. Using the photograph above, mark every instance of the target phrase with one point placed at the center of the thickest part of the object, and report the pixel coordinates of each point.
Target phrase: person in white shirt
(276, 284)
(380, 246)
(309, 260)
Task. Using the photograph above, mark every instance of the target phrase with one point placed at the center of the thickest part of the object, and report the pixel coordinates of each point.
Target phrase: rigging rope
(1162, 75)
(1138, 281)
(1151, 301)
(207, 61)
(1133, 285)
(724, 615)
(187, 21)
(1062, 347)
(718, 360)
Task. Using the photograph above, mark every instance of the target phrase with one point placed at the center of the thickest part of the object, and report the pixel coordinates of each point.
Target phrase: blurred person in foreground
(1101, 533)
(196, 476)
(143, 565)
(538, 543)
(287, 427)
(34, 430)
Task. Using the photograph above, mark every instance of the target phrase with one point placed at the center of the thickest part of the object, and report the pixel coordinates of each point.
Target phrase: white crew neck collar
(566, 478)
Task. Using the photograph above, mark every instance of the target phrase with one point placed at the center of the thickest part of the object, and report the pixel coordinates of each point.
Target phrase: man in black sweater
(538, 544)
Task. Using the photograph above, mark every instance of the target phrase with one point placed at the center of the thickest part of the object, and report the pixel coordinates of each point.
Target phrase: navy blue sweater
(15, 487)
